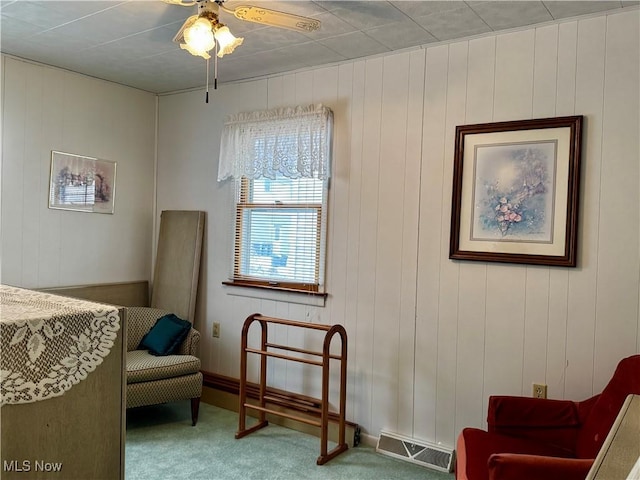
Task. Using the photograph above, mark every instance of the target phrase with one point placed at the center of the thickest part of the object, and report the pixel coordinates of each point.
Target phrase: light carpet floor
(162, 445)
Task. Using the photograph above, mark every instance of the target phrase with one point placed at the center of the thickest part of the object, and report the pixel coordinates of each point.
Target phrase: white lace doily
(50, 343)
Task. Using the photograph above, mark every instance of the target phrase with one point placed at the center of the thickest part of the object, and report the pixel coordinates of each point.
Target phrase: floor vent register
(416, 451)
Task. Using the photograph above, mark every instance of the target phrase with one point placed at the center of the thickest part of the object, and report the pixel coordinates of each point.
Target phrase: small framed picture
(515, 192)
(83, 184)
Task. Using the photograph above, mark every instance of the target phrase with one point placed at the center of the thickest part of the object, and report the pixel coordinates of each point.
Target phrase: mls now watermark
(28, 466)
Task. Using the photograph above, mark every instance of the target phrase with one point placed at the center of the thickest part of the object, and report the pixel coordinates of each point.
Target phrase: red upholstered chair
(532, 438)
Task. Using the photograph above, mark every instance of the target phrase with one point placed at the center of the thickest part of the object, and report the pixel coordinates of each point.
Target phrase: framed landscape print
(80, 183)
(515, 191)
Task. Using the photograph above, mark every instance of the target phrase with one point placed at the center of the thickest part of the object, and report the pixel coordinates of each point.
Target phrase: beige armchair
(159, 379)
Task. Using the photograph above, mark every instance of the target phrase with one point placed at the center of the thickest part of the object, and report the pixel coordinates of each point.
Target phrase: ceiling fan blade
(179, 38)
(274, 18)
(182, 3)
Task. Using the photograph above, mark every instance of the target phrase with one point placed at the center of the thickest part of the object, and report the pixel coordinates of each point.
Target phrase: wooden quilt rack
(267, 350)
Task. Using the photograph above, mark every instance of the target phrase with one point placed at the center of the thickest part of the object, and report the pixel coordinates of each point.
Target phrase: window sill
(280, 294)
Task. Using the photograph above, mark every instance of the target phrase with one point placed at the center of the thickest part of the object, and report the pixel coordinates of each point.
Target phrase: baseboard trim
(368, 440)
(223, 391)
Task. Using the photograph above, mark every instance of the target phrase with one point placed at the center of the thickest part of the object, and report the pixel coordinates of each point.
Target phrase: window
(279, 232)
(280, 162)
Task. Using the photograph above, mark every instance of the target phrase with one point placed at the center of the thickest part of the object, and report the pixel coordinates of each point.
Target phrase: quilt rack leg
(243, 431)
(247, 431)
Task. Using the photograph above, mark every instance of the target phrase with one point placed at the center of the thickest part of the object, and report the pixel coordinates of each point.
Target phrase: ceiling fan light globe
(196, 53)
(199, 37)
(227, 42)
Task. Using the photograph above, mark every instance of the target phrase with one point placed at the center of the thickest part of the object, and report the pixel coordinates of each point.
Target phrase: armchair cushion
(516, 412)
(475, 446)
(166, 335)
(143, 367)
(554, 422)
(534, 467)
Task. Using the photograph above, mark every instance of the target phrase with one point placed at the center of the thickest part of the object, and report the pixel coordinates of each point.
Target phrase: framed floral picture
(83, 184)
(515, 191)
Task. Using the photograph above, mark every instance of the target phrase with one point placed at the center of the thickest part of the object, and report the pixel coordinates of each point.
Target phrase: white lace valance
(294, 142)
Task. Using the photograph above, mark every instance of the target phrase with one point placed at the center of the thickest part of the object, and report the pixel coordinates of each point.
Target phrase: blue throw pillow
(165, 336)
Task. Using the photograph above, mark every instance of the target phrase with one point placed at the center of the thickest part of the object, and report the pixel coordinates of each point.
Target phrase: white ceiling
(130, 42)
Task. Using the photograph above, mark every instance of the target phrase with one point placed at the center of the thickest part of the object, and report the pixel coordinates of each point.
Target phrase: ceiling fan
(203, 31)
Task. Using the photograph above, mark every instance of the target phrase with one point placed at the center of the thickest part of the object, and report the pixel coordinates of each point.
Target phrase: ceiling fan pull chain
(215, 69)
(207, 94)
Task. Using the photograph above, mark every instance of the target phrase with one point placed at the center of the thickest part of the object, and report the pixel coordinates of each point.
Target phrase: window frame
(242, 202)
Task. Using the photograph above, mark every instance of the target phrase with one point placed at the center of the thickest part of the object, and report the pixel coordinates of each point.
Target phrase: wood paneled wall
(46, 109)
(430, 339)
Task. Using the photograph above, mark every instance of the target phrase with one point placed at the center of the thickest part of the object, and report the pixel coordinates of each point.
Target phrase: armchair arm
(556, 422)
(514, 466)
(190, 344)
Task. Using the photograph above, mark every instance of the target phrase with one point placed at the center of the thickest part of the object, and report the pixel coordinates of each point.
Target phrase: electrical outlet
(539, 390)
(215, 331)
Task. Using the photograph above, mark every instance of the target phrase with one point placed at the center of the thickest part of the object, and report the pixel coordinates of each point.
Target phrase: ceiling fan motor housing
(209, 10)
(206, 7)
